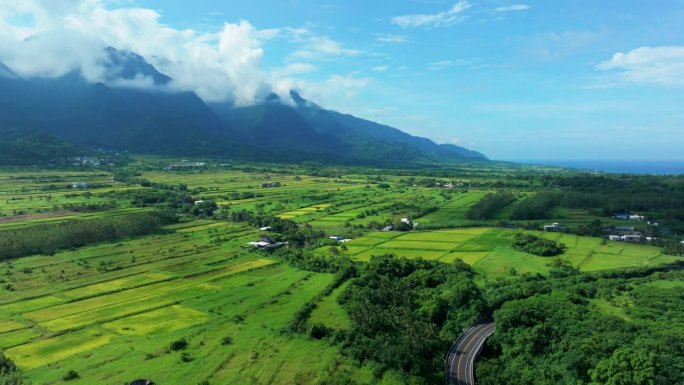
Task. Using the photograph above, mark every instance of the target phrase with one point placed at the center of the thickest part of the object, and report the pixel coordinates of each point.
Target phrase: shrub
(70, 375)
(179, 345)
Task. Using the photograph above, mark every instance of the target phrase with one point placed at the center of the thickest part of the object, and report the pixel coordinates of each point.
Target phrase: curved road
(460, 361)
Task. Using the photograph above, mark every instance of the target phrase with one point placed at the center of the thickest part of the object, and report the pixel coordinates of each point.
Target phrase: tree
(627, 366)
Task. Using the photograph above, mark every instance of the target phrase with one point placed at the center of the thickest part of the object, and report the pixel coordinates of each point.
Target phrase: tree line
(51, 237)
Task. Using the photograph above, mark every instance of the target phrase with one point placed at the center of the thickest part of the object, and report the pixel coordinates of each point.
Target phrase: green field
(177, 287)
(111, 310)
(490, 253)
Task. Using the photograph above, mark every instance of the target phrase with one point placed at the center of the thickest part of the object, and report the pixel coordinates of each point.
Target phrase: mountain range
(115, 114)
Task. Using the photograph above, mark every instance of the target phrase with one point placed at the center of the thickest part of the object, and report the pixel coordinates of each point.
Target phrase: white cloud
(297, 68)
(662, 66)
(438, 65)
(322, 48)
(389, 38)
(381, 68)
(512, 8)
(67, 36)
(347, 82)
(442, 64)
(440, 19)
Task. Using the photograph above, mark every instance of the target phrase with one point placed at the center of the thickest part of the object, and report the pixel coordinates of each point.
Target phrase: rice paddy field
(490, 251)
(111, 311)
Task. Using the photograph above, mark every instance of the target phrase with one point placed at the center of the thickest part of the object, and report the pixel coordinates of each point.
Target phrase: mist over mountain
(135, 108)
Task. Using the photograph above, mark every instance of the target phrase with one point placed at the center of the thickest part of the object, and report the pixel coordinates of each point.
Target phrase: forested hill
(115, 115)
(309, 127)
(25, 148)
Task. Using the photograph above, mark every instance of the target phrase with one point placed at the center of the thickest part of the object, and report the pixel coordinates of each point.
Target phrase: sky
(532, 80)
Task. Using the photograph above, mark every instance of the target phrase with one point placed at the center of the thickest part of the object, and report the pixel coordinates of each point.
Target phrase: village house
(339, 238)
(555, 227)
(631, 238)
(265, 242)
(629, 217)
(624, 229)
(270, 184)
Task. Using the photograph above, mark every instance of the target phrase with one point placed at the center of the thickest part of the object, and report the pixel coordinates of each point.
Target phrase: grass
(43, 352)
(329, 313)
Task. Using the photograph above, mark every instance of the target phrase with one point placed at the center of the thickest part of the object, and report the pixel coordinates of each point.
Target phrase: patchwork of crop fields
(490, 253)
(111, 311)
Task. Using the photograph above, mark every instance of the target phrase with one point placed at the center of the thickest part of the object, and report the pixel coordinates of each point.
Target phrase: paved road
(461, 358)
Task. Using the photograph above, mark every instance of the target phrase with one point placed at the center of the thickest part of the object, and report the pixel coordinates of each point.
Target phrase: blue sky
(575, 79)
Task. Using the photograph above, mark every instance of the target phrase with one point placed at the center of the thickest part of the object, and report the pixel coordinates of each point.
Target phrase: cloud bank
(53, 38)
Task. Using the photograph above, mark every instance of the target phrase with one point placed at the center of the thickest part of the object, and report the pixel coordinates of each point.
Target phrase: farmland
(490, 253)
(68, 314)
(192, 296)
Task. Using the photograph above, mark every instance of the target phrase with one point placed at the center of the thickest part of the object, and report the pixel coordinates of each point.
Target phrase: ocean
(656, 167)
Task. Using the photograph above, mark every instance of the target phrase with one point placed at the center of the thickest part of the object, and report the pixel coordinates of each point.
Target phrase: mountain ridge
(117, 113)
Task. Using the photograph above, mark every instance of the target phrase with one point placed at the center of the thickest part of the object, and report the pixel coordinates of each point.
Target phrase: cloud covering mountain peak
(50, 39)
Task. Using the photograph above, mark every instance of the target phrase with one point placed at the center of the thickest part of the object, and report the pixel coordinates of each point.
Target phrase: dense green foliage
(406, 312)
(48, 238)
(536, 206)
(560, 336)
(9, 374)
(488, 206)
(30, 148)
(538, 246)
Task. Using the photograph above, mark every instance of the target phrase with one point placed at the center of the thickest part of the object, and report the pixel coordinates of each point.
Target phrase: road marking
(477, 347)
(479, 336)
(469, 339)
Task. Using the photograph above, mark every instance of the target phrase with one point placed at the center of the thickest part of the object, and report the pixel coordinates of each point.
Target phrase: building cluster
(185, 165)
(86, 161)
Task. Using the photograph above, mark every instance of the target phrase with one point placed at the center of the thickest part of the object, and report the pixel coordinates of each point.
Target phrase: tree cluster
(405, 313)
(532, 244)
(489, 206)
